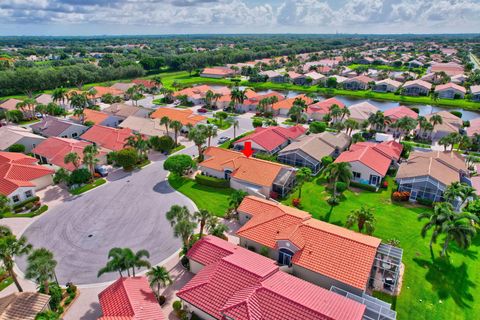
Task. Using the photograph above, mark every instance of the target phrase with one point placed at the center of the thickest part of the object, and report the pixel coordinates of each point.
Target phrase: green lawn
(35, 213)
(5, 283)
(224, 125)
(432, 288)
(88, 187)
(177, 148)
(212, 199)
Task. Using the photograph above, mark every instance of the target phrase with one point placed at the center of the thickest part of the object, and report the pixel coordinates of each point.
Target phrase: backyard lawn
(212, 199)
(432, 289)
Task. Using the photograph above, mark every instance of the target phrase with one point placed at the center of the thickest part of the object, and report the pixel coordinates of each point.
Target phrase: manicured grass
(212, 199)
(5, 283)
(227, 144)
(177, 148)
(224, 125)
(21, 123)
(432, 287)
(35, 213)
(88, 187)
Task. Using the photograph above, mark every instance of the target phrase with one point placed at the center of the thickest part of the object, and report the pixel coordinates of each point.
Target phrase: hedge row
(23, 203)
(212, 181)
(363, 186)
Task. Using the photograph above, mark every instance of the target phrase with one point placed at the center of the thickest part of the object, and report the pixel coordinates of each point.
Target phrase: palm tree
(351, 125)
(460, 230)
(345, 112)
(79, 102)
(357, 137)
(442, 212)
(176, 126)
(159, 277)
(235, 125)
(363, 218)
(338, 171)
(296, 113)
(183, 224)
(116, 262)
(303, 175)
(202, 216)
(405, 125)
(166, 122)
(137, 260)
(464, 143)
(198, 135)
(208, 98)
(335, 112)
(378, 120)
(90, 153)
(138, 143)
(236, 198)
(11, 247)
(445, 141)
(59, 95)
(41, 267)
(211, 131)
(92, 92)
(458, 190)
(216, 228)
(237, 96)
(72, 158)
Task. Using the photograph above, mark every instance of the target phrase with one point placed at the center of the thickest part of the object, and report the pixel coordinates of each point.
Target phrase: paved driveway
(129, 211)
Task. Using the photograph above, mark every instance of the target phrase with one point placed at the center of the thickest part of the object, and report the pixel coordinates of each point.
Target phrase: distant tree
(126, 158)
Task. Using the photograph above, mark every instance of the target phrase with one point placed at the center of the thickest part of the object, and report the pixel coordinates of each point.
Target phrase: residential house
(251, 104)
(217, 72)
(271, 139)
(360, 112)
(273, 76)
(450, 91)
(149, 84)
(357, 83)
(112, 139)
(9, 105)
(44, 99)
(185, 116)
(53, 151)
(319, 110)
(145, 126)
(313, 250)
(474, 127)
(475, 91)
(21, 176)
(459, 79)
(308, 151)
(91, 116)
(450, 68)
(10, 135)
(101, 91)
(370, 161)
(255, 176)
(284, 106)
(23, 305)
(450, 124)
(415, 64)
(54, 127)
(432, 78)
(130, 298)
(314, 78)
(122, 86)
(196, 95)
(396, 113)
(340, 79)
(297, 78)
(235, 283)
(417, 88)
(426, 174)
(123, 111)
(387, 85)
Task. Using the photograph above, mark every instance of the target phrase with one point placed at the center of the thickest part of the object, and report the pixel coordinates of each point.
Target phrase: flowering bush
(385, 184)
(296, 202)
(273, 195)
(400, 196)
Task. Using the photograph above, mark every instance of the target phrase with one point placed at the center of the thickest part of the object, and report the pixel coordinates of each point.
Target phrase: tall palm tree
(235, 125)
(90, 153)
(136, 260)
(237, 96)
(363, 218)
(211, 131)
(345, 113)
(216, 228)
(303, 175)
(442, 212)
(11, 247)
(436, 119)
(159, 277)
(182, 221)
(138, 143)
(338, 171)
(41, 267)
(406, 125)
(335, 112)
(116, 263)
(60, 95)
(166, 122)
(72, 158)
(198, 135)
(296, 112)
(460, 230)
(176, 126)
(351, 125)
(202, 216)
(92, 92)
(378, 120)
(208, 98)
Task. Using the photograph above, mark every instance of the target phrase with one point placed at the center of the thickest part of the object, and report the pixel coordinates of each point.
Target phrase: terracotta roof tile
(399, 112)
(107, 137)
(323, 107)
(185, 116)
(288, 103)
(271, 138)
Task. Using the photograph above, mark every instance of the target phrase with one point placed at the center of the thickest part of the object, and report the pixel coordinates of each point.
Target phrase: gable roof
(256, 99)
(252, 170)
(185, 116)
(323, 107)
(122, 86)
(101, 91)
(450, 122)
(450, 68)
(44, 98)
(399, 112)
(288, 103)
(18, 170)
(376, 156)
(442, 166)
(12, 134)
(245, 285)
(361, 78)
(108, 137)
(418, 82)
(90, 115)
(146, 126)
(273, 137)
(122, 110)
(362, 110)
(389, 81)
(23, 305)
(129, 299)
(52, 126)
(10, 104)
(450, 85)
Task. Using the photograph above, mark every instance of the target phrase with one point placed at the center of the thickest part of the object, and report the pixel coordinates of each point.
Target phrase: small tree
(17, 148)
(303, 175)
(162, 144)
(257, 123)
(126, 158)
(317, 127)
(179, 164)
(4, 204)
(80, 176)
(236, 197)
(159, 277)
(363, 218)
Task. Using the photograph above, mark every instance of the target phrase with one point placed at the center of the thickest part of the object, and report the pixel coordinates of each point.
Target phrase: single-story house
(475, 91)
(44, 99)
(235, 283)
(21, 176)
(370, 161)
(54, 127)
(23, 305)
(149, 84)
(109, 138)
(308, 151)
(98, 117)
(450, 91)
(297, 78)
(10, 135)
(284, 106)
(101, 91)
(273, 76)
(459, 79)
(357, 83)
(194, 94)
(320, 109)
(9, 105)
(271, 139)
(426, 174)
(450, 68)
(315, 78)
(123, 111)
(251, 103)
(145, 126)
(53, 151)
(255, 176)
(185, 116)
(340, 79)
(416, 88)
(313, 250)
(432, 78)
(122, 86)
(387, 85)
(396, 113)
(415, 64)
(217, 72)
(360, 112)
(130, 298)
(450, 124)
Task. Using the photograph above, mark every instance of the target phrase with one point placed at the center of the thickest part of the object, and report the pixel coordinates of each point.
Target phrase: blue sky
(99, 17)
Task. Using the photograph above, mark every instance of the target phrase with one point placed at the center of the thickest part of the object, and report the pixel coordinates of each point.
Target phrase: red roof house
(146, 83)
(246, 285)
(20, 176)
(282, 107)
(271, 139)
(399, 112)
(107, 137)
(318, 110)
(129, 299)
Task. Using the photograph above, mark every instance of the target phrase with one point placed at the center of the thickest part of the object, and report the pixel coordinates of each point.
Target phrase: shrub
(23, 203)
(385, 184)
(55, 293)
(17, 148)
(456, 113)
(252, 248)
(89, 123)
(326, 160)
(80, 176)
(363, 186)
(425, 202)
(317, 127)
(68, 300)
(126, 158)
(111, 157)
(341, 186)
(266, 156)
(161, 300)
(212, 181)
(179, 164)
(264, 251)
(29, 206)
(71, 288)
(162, 144)
(177, 305)
(47, 315)
(257, 123)
(15, 115)
(296, 202)
(400, 196)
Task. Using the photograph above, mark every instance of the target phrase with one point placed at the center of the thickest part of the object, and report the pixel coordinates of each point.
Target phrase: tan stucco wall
(43, 182)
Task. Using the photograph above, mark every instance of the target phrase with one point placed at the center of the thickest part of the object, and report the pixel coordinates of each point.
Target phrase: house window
(74, 135)
(285, 256)
(356, 175)
(28, 193)
(15, 198)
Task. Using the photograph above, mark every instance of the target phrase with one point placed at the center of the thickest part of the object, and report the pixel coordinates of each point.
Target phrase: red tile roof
(450, 85)
(288, 103)
(55, 149)
(256, 99)
(18, 170)
(220, 71)
(129, 299)
(399, 112)
(376, 156)
(90, 115)
(107, 137)
(323, 107)
(211, 250)
(185, 116)
(246, 285)
(272, 137)
(146, 83)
